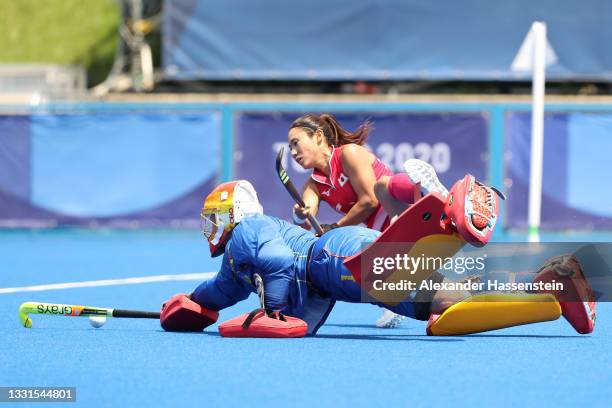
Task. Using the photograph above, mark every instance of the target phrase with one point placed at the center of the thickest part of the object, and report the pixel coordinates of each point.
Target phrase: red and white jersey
(338, 192)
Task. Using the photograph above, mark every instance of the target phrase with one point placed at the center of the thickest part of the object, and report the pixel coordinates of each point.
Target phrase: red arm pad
(183, 314)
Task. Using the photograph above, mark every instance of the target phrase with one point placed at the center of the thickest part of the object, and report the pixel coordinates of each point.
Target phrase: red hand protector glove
(182, 314)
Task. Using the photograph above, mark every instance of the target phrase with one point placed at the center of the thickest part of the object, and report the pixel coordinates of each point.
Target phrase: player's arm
(311, 198)
(356, 162)
(199, 310)
(222, 291)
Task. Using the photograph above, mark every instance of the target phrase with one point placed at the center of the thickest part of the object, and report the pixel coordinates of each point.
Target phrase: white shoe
(389, 320)
(423, 172)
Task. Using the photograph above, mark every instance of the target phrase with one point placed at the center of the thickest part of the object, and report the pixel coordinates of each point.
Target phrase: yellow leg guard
(494, 311)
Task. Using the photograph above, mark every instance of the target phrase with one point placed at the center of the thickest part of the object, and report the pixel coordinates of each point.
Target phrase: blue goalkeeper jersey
(278, 252)
(270, 247)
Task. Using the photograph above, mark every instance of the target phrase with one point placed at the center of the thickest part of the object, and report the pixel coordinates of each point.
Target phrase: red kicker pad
(184, 315)
(422, 221)
(576, 298)
(259, 324)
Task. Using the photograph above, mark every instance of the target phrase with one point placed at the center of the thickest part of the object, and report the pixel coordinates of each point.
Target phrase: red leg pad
(423, 219)
(184, 315)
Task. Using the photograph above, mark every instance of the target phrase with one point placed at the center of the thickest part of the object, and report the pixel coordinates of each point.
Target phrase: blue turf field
(132, 362)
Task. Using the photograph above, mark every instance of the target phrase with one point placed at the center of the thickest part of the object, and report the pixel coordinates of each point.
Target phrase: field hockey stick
(57, 309)
(260, 290)
(284, 178)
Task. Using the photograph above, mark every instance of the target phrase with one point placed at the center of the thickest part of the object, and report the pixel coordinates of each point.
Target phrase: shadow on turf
(400, 337)
(396, 337)
(404, 337)
(529, 336)
(364, 326)
(542, 336)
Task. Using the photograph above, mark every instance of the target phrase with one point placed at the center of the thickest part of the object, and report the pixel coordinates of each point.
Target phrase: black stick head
(282, 174)
(279, 160)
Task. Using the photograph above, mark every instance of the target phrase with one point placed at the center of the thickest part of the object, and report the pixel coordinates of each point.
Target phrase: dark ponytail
(335, 134)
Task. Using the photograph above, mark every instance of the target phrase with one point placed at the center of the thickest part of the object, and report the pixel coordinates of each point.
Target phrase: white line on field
(111, 282)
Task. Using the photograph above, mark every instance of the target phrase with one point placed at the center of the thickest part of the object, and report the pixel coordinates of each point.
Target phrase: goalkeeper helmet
(227, 205)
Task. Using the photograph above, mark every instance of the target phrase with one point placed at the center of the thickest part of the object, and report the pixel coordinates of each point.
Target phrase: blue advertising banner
(379, 39)
(115, 169)
(15, 147)
(454, 143)
(575, 186)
